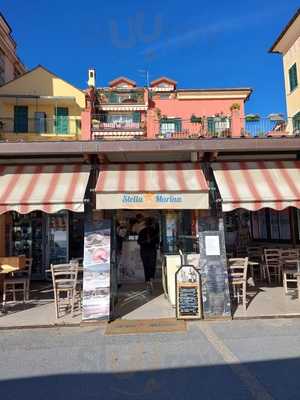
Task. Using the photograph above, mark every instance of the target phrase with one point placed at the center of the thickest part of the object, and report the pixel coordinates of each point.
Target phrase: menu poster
(214, 276)
(188, 293)
(96, 270)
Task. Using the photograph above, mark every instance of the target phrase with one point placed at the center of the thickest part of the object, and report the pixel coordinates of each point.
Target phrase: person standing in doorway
(148, 240)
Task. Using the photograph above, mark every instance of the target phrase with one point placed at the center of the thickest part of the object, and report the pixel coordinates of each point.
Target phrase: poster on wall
(96, 270)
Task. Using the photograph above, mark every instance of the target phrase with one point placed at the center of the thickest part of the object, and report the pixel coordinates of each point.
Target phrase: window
(2, 68)
(259, 225)
(119, 118)
(296, 123)
(170, 125)
(218, 125)
(293, 77)
(268, 224)
(164, 96)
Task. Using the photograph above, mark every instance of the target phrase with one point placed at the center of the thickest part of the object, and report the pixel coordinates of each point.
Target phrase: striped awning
(152, 186)
(259, 184)
(50, 188)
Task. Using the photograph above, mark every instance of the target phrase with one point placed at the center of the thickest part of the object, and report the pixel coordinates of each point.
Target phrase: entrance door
(62, 120)
(20, 119)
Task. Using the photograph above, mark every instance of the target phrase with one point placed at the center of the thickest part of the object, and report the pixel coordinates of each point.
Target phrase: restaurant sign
(147, 200)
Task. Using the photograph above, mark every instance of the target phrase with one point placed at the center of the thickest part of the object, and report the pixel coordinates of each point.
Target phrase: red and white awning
(152, 186)
(259, 184)
(50, 188)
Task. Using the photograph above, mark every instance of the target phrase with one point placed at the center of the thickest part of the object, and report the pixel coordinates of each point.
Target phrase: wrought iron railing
(59, 125)
(120, 98)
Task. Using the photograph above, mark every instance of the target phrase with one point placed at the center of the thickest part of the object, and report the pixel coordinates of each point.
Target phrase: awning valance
(152, 186)
(50, 188)
(259, 184)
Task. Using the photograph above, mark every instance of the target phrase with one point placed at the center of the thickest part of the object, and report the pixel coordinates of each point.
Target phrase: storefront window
(268, 224)
(280, 225)
(259, 225)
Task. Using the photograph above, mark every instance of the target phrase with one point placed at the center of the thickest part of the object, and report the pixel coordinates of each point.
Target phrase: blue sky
(199, 43)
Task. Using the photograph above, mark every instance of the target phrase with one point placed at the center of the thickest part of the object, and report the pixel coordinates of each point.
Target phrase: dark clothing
(148, 240)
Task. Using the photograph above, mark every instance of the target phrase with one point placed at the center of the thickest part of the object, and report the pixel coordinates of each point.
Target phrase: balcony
(121, 100)
(34, 127)
(112, 130)
(216, 127)
(253, 125)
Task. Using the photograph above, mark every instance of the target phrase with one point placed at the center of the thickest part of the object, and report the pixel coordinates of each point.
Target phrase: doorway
(135, 299)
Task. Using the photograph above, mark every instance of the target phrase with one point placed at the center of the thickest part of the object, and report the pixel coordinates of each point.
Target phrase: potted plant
(195, 119)
(235, 106)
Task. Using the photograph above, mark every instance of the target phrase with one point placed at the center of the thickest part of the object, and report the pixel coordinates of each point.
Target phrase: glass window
(259, 225)
(2, 68)
(280, 225)
(170, 125)
(293, 77)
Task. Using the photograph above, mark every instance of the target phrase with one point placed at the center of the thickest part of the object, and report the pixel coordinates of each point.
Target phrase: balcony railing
(59, 125)
(208, 127)
(116, 98)
(117, 126)
(274, 125)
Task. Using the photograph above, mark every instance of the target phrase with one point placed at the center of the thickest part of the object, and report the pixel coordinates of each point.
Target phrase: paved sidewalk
(257, 359)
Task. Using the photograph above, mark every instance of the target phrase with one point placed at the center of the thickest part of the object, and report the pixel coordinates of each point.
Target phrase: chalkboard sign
(213, 269)
(188, 293)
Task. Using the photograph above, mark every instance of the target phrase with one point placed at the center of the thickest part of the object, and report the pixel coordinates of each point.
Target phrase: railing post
(236, 123)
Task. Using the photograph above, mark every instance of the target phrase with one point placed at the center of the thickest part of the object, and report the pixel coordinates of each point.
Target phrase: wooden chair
(64, 278)
(237, 269)
(18, 282)
(273, 264)
(255, 253)
(288, 269)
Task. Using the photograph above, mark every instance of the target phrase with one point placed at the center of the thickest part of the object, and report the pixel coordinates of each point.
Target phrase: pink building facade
(123, 110)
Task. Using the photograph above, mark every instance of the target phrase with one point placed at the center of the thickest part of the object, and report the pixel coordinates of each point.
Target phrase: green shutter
(293, 77)
(178, 127)
(21, 119)
(211, 125)
(136, 116)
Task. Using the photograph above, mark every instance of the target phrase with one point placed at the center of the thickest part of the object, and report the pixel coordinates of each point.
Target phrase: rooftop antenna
(145, 74)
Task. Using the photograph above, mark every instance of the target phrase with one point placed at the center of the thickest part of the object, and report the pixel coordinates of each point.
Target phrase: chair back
(237, 268)
(28, 267)
(272, 257)
(64, 274)
(255, 253)
(289, 254)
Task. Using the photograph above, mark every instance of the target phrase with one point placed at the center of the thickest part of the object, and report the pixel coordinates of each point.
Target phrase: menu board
(214, 276)
(96, 270)
(188, 293)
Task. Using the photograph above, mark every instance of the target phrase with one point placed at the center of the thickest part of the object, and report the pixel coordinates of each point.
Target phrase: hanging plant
(252, 118)
(235, 106)
(195, 119)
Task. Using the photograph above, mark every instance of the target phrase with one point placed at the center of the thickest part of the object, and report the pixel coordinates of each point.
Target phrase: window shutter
(293, 77)
(211, 125)
(178, 125)
(136, 117)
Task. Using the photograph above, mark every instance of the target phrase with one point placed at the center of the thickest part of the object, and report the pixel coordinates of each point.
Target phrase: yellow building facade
(40, 106)
(288, 45)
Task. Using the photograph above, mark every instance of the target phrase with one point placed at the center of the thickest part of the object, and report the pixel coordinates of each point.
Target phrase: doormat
(127, 327)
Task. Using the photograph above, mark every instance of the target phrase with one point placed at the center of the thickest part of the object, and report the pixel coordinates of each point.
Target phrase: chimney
(92, 77)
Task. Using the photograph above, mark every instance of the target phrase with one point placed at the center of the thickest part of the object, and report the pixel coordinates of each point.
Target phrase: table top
(253, 262)
(12, 264)
(9, 270)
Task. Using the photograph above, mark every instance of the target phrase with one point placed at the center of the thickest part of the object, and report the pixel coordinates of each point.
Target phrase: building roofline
(122, 78)
(45, 69)
(286, 28)
(163, 78)
(6, 22)
(236, 89)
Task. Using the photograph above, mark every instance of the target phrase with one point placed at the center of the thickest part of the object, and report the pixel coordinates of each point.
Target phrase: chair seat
(65, 286)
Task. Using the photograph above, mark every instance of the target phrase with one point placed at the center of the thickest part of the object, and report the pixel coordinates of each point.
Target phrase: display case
(26, 237)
